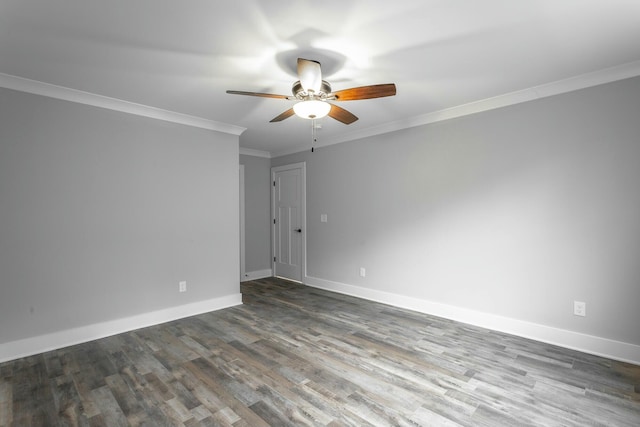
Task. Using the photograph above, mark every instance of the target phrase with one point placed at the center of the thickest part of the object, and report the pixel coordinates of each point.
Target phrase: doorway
(288, 202)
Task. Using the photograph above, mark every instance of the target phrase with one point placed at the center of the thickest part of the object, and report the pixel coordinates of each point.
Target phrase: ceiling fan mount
(313, 94)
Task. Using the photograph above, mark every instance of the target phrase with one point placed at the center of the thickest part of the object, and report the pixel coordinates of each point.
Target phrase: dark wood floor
(295, 355)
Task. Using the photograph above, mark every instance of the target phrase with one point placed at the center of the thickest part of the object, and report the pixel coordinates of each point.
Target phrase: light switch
(323, 217)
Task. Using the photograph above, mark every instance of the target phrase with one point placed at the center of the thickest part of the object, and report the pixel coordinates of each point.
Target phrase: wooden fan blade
(283, 116)
(342, 115)
(310, 75)
(365, 92)
(263, 95)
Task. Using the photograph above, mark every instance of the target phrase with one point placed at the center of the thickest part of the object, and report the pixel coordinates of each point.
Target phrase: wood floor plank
(124, 396)
(6, 403)
(67, 401)
(216, 380)
(292, 355)
(110, 412)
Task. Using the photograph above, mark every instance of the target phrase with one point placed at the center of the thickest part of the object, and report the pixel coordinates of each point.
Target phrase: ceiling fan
(313, 94)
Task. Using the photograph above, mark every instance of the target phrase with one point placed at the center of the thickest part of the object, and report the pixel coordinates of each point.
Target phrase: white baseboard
(258, 274)
(56, 340)
(611, 349)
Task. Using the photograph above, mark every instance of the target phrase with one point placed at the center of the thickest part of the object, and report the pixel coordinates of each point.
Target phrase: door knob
(299, 230)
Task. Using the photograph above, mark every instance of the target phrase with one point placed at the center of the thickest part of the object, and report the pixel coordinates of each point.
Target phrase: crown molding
(583, 81)
(255, 153)
(67, 94)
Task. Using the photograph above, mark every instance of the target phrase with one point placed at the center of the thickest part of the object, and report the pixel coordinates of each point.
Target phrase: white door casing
(242, 227)
(289, 224)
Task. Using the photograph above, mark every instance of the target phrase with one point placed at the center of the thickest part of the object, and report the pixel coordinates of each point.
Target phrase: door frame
(303, 215)
(241, 207)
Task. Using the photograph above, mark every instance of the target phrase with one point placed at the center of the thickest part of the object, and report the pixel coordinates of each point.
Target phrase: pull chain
(313, 134)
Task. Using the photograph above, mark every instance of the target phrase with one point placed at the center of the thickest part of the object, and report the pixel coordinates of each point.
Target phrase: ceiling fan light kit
(312, 109)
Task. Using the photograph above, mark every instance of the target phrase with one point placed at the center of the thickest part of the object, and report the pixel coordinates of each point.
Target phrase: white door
(289, 232)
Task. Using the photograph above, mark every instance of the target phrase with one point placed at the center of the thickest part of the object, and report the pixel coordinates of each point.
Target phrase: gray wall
(257, 173)
(517, 211)
(103, 213)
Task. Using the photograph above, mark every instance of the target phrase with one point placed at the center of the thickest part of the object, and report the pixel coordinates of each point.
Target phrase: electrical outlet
(182, 286)
(363, 272)
(580, 308)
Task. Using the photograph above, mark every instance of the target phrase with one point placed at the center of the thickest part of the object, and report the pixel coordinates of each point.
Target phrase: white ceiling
(181, 56)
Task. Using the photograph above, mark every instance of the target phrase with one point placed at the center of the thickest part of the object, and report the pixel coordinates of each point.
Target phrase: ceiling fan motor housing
(299, 92)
